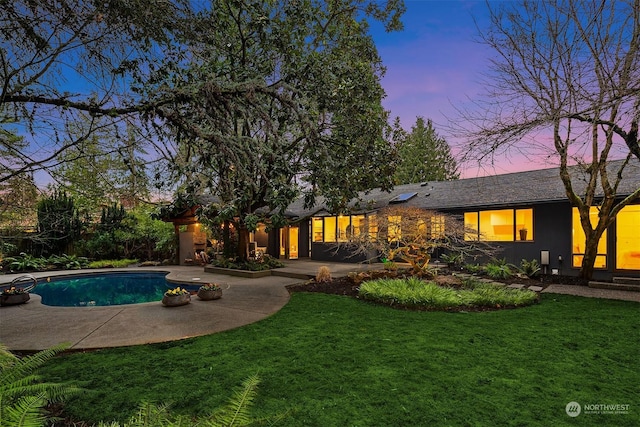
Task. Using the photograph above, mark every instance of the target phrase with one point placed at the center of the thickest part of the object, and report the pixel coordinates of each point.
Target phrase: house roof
(519, 188)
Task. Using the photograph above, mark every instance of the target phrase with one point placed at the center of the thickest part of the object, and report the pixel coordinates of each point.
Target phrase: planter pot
(523, 234)
(208, 295)
(14, 299)
(176, 300)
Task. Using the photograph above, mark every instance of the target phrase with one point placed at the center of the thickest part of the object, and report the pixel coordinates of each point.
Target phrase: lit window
(497, 226)
(330, 229)
(395, 229)
(504, 225)
(373, 226)
(316, 228)
(579, 240)
(437, 227)
(627, 237)
(343, 227)
(357, 226)
(470, 226)
(524, 224)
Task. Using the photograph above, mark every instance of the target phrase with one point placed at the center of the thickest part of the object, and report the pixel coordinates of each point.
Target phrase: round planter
(209, 294)
(176, 300)
(14, 299)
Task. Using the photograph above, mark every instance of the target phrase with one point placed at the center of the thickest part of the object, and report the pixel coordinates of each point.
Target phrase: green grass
(414, 292)
(338, 361)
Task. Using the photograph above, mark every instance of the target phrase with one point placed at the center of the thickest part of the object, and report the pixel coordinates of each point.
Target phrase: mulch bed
(346, 287)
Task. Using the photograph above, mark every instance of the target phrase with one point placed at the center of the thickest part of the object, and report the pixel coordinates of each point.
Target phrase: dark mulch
(346, 286)
(337, 286)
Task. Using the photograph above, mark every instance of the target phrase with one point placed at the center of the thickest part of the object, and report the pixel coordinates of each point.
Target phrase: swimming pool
(103, 289)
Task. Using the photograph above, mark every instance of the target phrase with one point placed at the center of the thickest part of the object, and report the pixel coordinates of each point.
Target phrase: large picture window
(578, 240)
(341, 228)
(501, 225)
(627, 238)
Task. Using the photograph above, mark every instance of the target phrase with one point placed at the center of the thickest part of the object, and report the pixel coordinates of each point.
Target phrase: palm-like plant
(23, 396)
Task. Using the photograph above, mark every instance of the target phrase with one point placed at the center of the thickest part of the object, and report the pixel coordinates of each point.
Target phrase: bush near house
(416, 293)
(27, 262)
(266, 262)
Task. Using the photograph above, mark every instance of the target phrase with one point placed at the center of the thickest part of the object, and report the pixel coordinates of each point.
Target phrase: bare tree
(565, 84)
(413, 235)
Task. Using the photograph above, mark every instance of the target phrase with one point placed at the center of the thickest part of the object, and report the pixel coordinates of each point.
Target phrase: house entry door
(289, 242)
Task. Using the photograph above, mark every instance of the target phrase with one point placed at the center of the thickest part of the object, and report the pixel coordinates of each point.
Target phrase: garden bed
(347, 286)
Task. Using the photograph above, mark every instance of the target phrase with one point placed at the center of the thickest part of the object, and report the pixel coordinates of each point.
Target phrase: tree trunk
(590, 254)
(243, 243)
(226, 241)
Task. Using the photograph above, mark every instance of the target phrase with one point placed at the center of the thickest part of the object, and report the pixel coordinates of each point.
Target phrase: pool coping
(33, 326)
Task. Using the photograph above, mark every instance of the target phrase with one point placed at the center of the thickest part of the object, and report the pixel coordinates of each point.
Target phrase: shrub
(417, 293)
(530, 268)
(112, 263)
(453, 259)
(266, 263)
(324, 274)
(474, 268)
(69, 262)
(25, 262)
(499, 269)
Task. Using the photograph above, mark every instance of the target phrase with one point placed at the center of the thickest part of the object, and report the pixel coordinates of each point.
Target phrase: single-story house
(526, 213)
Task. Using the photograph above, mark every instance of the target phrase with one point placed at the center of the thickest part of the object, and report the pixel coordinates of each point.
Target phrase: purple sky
(435, 64)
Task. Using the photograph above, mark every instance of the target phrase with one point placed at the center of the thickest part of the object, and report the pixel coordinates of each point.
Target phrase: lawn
(337, 361)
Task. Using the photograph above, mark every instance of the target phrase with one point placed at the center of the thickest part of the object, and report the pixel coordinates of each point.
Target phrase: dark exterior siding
(273, 248)
(330, 252)
(303, 239)
(552, 233)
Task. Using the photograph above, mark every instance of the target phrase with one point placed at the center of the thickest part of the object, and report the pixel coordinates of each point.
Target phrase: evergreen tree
(59, 223)
(423, 155)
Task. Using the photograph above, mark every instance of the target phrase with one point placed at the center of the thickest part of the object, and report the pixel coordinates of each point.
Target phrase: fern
(25, 412)
(23, 395)
(235, 413)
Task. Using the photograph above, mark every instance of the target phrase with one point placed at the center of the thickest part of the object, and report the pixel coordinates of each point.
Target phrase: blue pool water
(103, 289)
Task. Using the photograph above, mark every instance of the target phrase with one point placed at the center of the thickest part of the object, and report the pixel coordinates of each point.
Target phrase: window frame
(474, 230)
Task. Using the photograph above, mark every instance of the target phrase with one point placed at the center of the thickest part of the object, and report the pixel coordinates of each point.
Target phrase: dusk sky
(436, 64)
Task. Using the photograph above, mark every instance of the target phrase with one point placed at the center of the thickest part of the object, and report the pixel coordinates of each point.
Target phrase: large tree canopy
(277, 98)
(62, 59)
(565, 84)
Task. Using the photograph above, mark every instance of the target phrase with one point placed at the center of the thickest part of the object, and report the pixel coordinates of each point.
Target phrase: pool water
(103, 289)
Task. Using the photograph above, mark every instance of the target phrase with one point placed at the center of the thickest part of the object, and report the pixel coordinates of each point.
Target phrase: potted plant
(523, 233)
(175, 297)
(210, 291)
(13, 296)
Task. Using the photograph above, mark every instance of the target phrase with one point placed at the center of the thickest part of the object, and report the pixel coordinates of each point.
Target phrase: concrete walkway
(34, 326)
(585, 291)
